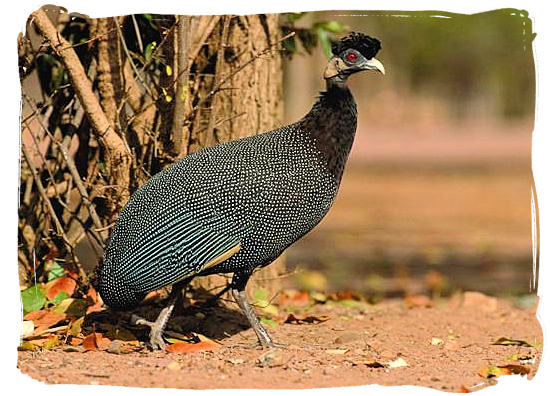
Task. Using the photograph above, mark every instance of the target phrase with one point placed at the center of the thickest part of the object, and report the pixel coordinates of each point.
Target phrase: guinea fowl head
(352, 54)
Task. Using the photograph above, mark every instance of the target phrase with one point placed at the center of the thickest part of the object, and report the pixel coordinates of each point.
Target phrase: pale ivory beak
(375, 64)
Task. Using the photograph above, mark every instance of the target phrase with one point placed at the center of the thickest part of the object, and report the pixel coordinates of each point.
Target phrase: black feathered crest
(366, 45)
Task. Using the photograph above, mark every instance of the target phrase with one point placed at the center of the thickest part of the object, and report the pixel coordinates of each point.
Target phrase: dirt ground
(442, 344)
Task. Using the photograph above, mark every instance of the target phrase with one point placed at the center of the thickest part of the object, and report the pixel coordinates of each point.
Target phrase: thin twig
(72, 169)
(259, 54)
(125, 47)
(60, 231)
(138, 33)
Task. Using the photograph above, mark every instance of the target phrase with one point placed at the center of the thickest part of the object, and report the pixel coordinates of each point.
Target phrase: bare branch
(72, 169)
(180, 131)
(224, 80)
(118, 154)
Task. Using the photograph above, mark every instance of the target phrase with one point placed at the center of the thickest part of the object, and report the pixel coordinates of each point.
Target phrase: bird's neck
(331, 124)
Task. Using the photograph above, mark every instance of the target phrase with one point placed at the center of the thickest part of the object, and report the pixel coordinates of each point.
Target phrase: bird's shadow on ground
(199, 312)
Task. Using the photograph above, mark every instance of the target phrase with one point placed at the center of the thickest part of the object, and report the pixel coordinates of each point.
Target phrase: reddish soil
(445, 346)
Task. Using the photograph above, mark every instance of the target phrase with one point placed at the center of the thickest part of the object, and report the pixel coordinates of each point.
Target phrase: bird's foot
(155, 338)
(155, 335)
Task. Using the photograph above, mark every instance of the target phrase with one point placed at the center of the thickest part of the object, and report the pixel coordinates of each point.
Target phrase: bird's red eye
(351, 56)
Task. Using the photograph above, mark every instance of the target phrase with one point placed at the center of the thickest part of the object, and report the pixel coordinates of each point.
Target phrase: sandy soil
(445, 346)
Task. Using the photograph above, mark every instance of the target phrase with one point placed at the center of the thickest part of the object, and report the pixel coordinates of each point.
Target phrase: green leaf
(295, 16)
(149, 50)
(331, 26)
(325, 42)
(290, 45)
(72, 306)
(33, 299)
(268, 322)
(260, 295)
(62, 295)
(54, 270)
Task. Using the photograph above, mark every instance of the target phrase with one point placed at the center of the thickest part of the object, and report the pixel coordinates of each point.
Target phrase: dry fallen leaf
(27, 328)
(271, 358)
(417, 301)
(344, 295)
(293, 298)
(27, 346)
(235, 361)
(508, 369)
(95, 341)
(336, 351)
(397, 363)
(309, 319)
(66, 284)
(368, 363)
(523, 359)
(186, 347)
(452, 345)
(46, 342)
(44, 319)
(510, 341)
(436, 341)
(480, 301)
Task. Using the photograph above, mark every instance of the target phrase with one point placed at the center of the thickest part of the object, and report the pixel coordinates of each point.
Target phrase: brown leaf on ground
(66, 284)
(508, 369)
(293, 298)
(76, 341)
(118, 347)
(271, 358)
(368, 363)
(185, 347)
(451, 345)
(119, 333)
(511, 342)
(479, 300)
(417, 301)
(47, 342)
(344, 295)
(27, 328)
(44, 319)
(397, 363)
(305, 319)
(27, 346)
(95, 341)
(336, 351)
(72, 306)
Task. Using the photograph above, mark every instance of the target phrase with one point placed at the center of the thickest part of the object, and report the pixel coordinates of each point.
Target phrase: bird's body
(235, 206)
(264, 192)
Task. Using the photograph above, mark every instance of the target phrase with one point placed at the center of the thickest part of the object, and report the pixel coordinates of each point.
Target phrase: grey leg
(157, 327)
(239, 294)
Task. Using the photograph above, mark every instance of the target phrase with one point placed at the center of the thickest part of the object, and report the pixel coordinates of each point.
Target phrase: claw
(155, 339)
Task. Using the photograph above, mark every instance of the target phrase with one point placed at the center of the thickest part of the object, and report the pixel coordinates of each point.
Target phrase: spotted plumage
(256, 195)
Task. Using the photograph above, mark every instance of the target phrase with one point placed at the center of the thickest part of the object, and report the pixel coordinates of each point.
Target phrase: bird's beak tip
(375, 64)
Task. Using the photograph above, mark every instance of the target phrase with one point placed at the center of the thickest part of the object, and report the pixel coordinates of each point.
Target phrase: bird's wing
(185, 249)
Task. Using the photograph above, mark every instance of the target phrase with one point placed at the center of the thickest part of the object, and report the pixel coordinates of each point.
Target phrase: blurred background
(437, 191)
